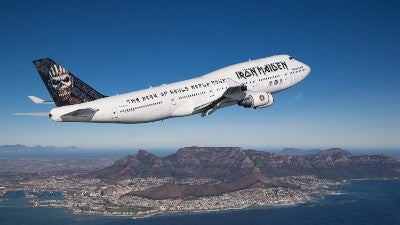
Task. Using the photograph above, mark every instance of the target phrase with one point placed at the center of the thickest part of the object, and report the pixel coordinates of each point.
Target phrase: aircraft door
(292, 79)
(295, 78)
(172, 105)
(114, 114)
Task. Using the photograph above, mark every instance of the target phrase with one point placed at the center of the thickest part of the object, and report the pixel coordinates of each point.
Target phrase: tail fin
(64, 87)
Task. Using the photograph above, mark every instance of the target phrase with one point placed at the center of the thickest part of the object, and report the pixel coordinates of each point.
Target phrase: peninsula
(201, 178)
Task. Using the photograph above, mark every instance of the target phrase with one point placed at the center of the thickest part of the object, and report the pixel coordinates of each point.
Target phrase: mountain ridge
(230, 163)
(21, 149)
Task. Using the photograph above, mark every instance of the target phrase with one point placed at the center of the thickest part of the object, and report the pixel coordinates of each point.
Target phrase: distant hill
(231, 163)
(254, 179)
(295, 151)
(22, 149)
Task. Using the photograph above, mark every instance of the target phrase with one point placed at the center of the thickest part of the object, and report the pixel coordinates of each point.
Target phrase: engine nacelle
(257, 100)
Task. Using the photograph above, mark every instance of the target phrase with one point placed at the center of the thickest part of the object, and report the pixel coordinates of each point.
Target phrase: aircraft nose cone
(308, 70)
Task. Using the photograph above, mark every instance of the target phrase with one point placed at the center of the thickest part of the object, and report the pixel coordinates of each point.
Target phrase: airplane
(249, 84)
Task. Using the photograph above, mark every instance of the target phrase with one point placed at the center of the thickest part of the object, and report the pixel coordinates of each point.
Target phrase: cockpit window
(290, 57)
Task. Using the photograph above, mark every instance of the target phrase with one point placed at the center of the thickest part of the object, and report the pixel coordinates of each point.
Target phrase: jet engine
(257, 100)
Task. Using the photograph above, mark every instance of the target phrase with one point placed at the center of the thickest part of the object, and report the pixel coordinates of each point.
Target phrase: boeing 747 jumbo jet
(249, 84)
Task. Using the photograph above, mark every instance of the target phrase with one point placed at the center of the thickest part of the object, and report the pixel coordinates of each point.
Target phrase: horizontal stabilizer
(39, 100)
(32, 114)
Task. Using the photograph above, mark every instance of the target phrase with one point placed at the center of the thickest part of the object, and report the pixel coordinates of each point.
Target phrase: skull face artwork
(61, 81)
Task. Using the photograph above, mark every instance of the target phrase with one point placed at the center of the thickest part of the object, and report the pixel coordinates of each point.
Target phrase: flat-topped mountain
(230, 163)
(221, 162)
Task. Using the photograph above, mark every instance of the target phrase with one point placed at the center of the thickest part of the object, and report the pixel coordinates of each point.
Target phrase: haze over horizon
(39, 150)
(349, 100)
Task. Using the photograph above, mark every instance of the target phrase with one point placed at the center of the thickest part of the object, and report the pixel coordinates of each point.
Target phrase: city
(90, 195)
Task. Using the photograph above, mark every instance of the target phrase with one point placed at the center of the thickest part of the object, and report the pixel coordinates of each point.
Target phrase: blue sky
(350, 100)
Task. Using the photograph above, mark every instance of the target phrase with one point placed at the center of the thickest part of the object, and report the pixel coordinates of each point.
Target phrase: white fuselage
(269, 75)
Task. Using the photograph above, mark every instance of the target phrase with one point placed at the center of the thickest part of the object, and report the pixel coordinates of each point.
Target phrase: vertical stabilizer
(63, 86)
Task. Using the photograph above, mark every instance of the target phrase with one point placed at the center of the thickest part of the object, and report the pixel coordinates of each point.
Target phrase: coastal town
(83, 195)
(194, 179)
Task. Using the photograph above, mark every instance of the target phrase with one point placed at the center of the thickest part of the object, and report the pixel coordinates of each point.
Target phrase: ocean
(355, 203)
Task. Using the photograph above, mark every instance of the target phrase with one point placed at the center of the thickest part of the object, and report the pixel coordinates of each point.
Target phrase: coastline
(356, 206)
(315, 193)
(310, 193)
(312, 196)
(186, 212)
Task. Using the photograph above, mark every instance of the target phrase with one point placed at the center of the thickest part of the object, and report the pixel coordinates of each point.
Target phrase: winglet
(39, 100)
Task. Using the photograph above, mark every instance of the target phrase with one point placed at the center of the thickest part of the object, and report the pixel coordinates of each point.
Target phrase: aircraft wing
(235, 93)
